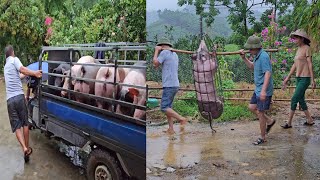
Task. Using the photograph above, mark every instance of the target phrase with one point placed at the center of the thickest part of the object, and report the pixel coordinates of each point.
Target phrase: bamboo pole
(218, 53)
(235, 99)
(191, 89)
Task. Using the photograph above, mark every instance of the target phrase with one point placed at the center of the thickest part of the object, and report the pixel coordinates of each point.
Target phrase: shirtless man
(304, 76)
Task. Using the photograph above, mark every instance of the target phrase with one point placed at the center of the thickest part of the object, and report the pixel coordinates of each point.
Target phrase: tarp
(35, 67)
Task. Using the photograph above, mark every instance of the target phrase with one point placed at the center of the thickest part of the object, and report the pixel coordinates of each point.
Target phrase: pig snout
(58, 82)
(125, 96)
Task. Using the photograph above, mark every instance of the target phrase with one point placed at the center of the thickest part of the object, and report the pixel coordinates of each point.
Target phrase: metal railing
(115, 48)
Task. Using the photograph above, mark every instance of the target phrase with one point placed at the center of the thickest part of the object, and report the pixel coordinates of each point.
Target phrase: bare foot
(182, 128)
(169, 131)
(184, 121)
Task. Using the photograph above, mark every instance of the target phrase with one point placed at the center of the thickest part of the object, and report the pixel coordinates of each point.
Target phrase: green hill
(183, 23)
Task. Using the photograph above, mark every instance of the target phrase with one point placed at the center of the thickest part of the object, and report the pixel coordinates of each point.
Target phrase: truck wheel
(102, 166)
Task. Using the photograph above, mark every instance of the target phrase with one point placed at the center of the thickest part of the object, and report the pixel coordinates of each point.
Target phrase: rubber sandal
(308, 124)
(258, 141)
(270, 126)
(286, 126)
(27, 154)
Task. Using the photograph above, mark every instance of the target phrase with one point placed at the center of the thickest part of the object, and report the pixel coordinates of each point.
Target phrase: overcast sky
(162, 4)
(172, 5)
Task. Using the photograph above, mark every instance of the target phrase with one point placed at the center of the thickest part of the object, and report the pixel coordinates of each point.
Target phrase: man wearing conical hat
(170, 63)
(261, 98)
(304, 76)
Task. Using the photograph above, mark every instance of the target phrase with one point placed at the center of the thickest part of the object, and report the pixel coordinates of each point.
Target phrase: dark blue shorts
(261, 105)
(18, 112)
(168, 97)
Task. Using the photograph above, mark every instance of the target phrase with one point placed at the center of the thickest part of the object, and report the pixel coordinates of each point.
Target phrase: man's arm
(266, 81)
(156, 62)
(267, 70)
(293, 68)
(309, 61)
(25, 71)
(246, 60)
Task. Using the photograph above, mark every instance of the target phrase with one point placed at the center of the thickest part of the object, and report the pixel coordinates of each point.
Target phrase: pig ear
(133, 91)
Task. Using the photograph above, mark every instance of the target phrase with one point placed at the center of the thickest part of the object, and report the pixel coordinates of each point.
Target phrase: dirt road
(46, 161)
(196, 153)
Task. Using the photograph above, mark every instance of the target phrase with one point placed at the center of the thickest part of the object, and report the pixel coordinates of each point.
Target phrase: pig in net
(204, 69)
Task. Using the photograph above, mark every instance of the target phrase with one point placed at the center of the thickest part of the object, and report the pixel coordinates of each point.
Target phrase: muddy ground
(46, 162)
(194, 152)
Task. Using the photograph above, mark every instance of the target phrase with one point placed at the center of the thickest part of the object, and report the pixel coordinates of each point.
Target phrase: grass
(231, 111)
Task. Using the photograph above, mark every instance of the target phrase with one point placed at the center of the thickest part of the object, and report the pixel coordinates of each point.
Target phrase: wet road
(195, 153)
(46, 161)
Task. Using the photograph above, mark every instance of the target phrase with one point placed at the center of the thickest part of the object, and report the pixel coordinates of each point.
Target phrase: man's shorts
(168, 97)
(18, 112)
(261, 105)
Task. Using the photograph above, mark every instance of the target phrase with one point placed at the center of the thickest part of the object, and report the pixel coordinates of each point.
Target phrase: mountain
(183, 23)
(186, 22)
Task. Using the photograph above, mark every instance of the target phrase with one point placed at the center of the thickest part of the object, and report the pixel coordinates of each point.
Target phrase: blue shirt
(262, 64)
(170, 64)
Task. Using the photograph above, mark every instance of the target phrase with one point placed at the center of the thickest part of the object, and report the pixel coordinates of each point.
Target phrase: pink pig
(134, 95)
(105, 89)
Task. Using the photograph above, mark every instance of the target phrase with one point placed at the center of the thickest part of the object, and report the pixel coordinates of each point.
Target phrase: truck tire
(101, 165)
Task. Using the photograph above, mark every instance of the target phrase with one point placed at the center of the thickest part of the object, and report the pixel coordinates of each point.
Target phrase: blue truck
(115, 143)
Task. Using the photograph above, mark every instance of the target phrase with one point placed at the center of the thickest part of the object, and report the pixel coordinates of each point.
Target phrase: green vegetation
(231, 111)
(232, 70)
(183, 23)
(30, 24)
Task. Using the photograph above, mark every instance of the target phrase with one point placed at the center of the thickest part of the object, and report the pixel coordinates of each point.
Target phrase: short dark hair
(8, 50)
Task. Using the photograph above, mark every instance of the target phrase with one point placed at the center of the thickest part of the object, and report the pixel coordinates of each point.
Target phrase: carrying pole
(218, 53)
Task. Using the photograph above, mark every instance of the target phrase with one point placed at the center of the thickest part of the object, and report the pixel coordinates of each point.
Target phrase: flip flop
(286, 126)
(308, 124)
(259, 141)
(270, 126)
(27, 154)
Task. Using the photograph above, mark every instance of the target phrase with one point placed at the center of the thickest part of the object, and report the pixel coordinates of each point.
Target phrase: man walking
(170, 82)
(16, 103)
(261, 99)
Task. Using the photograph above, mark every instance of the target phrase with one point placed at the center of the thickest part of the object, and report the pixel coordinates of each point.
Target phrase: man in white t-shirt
(16, 104)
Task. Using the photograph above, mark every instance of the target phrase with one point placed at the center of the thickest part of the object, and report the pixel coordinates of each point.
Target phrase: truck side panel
(127, 134)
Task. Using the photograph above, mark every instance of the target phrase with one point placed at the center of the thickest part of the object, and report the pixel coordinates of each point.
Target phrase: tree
(311, 13)
(108, 21)
(241, 13)
(22, 25)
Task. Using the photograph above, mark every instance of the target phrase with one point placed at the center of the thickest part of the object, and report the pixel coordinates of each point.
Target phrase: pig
(66, 80)
(61, 69)
(106, 74)
(86, 87)
(204, 70)
(76, 69)
(133, 95)
(76, 72)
